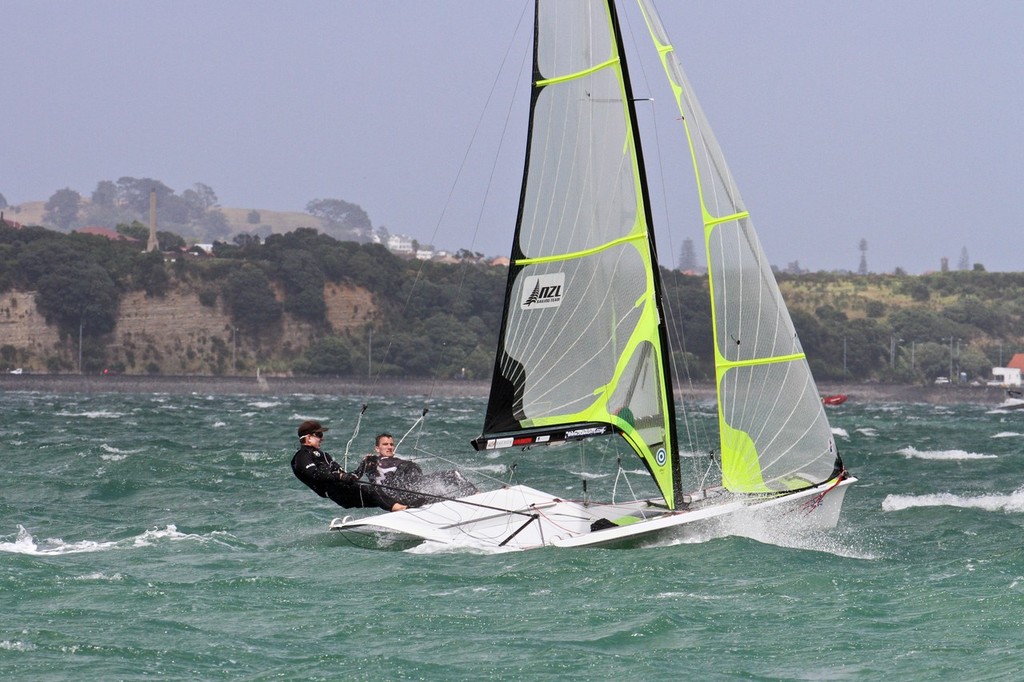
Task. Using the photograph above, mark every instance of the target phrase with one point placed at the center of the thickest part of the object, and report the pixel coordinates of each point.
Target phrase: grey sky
(894, 121)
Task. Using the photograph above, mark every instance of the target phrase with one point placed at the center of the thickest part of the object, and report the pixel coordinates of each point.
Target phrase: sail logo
(542, 291)
(592, 431)
(661, 457)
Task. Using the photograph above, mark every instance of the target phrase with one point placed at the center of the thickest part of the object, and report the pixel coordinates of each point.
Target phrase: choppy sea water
(163, 536)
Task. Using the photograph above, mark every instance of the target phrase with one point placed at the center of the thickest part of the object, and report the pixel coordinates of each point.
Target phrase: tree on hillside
(62, 209)
(150, 274)
(79, 296)
(332, 355)
(134, 193)
(105, 194)
(250, 299)
(344, 219)
(200, 199)
(303, 282)
(862, 269)
(3, 201)
(212, 225)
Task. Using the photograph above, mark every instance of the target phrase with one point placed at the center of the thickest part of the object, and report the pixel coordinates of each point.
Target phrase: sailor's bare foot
(398, 506)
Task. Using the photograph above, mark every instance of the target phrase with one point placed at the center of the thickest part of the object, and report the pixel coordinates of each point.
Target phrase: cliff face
(173, 334)
(24, 329)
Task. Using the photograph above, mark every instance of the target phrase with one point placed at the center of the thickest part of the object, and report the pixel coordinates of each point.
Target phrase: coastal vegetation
(274, 303)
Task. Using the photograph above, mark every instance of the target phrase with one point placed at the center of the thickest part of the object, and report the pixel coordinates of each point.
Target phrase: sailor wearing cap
(326, 478)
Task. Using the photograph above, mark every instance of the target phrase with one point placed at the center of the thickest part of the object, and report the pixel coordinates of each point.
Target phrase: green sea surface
(161, 536)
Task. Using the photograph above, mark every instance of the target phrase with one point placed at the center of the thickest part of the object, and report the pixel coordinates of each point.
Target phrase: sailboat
(584, 352)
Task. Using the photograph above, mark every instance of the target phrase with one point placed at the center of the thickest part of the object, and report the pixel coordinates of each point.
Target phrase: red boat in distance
(833, 400)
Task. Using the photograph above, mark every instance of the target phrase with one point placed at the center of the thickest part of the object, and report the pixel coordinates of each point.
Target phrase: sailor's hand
(348, 478)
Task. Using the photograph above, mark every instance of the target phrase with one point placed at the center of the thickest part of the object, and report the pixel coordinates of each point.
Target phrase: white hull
(518, 518)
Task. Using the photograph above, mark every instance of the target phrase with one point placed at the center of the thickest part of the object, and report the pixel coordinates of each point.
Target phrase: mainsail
(774, 434)
(583, 347)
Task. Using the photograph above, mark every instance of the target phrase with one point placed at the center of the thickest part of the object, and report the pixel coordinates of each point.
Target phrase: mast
(666, 365)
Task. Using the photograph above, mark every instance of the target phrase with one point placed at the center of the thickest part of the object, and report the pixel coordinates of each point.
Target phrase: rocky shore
(73, 383)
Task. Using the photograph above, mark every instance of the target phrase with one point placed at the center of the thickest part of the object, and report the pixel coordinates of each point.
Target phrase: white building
(1006, 376)
(399, 244)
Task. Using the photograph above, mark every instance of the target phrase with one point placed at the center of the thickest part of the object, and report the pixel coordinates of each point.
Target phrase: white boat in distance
(584, 351)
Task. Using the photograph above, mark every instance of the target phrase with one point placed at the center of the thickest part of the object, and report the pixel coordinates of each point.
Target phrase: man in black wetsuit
(385, 468)
(405, 480)
(326, 478)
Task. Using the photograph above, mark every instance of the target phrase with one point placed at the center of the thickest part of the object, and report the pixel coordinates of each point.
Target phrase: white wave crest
(25, 543)
(1012, 502)
(92, 414)
(1008, 434)
(842, 433)
(8, 645)
(912, 452)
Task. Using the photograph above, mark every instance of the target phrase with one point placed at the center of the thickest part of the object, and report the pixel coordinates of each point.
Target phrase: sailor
(405, 479)
(326, 478)
(385, 468)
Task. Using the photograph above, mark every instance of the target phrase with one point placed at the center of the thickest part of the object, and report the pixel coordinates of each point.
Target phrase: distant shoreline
(73, 383)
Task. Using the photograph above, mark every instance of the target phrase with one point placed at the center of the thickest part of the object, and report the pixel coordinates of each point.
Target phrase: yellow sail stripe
(711, 221)
(579, 74)
(585, 252)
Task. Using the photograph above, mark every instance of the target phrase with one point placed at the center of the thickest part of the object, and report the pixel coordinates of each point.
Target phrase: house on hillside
(400, 244)
(9, 223)
(1011, 374)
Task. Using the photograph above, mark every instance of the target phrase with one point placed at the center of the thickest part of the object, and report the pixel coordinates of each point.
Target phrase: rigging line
(455, 464)
(444, 498)
(414, 424)
(461, 172)
(424, 455)
(355, 432)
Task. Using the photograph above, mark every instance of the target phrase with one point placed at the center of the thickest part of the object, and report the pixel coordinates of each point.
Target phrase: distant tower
(863, 269)
(153, 245)
(944, 264)
(965, 261)
(688, 256)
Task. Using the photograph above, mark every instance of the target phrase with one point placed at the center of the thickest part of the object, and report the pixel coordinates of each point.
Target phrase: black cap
(310, 426)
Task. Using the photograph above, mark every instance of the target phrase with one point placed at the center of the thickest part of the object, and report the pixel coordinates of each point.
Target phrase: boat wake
(1012, 502)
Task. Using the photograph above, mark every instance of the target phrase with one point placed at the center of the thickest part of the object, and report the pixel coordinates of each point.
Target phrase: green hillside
(303, 302)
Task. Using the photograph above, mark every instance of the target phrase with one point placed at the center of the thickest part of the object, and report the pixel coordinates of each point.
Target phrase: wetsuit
(326, 478)
(389, 470)
(405, 480)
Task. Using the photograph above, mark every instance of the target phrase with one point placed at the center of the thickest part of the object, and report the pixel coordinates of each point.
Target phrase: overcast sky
(894, 121)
